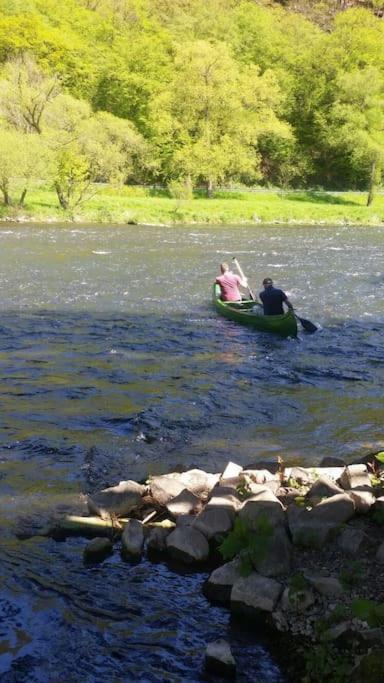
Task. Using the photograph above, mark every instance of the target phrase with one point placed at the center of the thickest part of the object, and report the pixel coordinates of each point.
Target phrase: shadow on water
(91, 398)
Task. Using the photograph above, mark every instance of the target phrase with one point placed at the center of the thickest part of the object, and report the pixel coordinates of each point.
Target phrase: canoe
(251, 313)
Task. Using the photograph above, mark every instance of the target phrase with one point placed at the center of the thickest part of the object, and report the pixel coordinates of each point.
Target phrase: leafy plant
(370, 611)
(326, 664)
(248, 544)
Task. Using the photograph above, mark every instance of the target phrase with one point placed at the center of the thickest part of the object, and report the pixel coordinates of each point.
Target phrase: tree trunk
(209, 189)
(22, 197)
(374, 180)
(6, 197)
(61, 197)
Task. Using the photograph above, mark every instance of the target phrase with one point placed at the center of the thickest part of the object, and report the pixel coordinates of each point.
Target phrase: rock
(232, 471)
(214, 521)
(165, 487)
(380, 553)
(255, 595)
(219, 584)
(225, 496)
(322, 488)
(370, 668)
(199, 482)
(259, 476)
(262, 504)
(379, 504)
(363, 500)
(156, 540)
(184, 504)
(354, 476)
(352, 541)
(331, 461)
(188, 545)
(219, 659)
(325, 585)
(185, 520)
(297, 600)
(276, 558)
(98, 549)
(312, 528)
(118, 500)
(132, 539)
(339, 632)
(272, 465)
(302, 475)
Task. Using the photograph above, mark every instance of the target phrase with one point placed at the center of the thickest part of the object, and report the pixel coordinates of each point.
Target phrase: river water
(114, 366)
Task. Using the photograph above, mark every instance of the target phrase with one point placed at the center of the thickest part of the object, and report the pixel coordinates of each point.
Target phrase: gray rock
(312, 528)
(117, 500)
(132, 539)
(276, 558)
(199, 482)
(262, 504)
(380, 553)
(232, 471)
(184, 504)
(363, 500)
(325, 585)
(219, 584)
(324, 487)
(352, 541)
(302, 475)
(331, 461)
(98, 549)
(214, 521)
(296, 601)
(165, 487)
(225, 496)
(255, 595)
(157, 538)
(354, 476)
(187, 545)
(219, 659)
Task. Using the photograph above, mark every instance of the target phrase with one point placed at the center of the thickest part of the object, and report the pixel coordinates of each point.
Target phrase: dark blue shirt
(272, 299)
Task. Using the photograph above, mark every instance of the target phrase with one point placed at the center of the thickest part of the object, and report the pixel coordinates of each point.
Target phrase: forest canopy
(186, 93)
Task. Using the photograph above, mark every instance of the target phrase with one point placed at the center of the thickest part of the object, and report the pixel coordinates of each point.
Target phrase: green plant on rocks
(325, 664)
(370, 611)
(247, 543)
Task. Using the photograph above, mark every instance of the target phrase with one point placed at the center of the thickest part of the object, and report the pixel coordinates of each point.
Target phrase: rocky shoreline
(298, 551)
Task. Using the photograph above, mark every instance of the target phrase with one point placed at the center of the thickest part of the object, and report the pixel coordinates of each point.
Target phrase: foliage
(325, 663)
(370, 611)
(246, 543)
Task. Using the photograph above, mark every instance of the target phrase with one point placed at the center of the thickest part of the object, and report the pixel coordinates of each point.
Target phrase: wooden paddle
(307, 324)
(239, 270)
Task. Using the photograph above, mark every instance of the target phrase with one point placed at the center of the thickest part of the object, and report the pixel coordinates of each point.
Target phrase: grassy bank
(143, 206)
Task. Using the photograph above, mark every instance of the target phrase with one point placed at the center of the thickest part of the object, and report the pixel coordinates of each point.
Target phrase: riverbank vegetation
(189, 94)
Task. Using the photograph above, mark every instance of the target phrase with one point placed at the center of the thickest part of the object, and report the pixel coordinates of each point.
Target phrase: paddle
(307, 324)
(239, 270)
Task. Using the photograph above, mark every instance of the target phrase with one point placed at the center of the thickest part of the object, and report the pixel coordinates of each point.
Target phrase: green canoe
(244, 312)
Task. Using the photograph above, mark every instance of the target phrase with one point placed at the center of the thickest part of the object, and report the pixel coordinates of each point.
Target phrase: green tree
(23, 160)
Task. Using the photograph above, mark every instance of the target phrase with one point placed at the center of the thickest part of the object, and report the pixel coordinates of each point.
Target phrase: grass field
(145, 206)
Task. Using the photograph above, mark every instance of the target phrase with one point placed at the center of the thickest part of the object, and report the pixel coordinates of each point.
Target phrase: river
(114, 366)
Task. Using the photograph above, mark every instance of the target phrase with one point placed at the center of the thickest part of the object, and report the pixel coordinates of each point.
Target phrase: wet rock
(187, 545)
(118, 500)
(132, 539)
(214, 521)
(219, 584)
(219, 659)
(98, 549)
(183, 504)
(275, 558)
(255, 595)
(352, 541)
(156, 540)
(355, 476)
(262, 504)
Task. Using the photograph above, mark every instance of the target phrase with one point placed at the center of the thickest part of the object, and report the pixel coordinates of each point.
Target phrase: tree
(23, 160)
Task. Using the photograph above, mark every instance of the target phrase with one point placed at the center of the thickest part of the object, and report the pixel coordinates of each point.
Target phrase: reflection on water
(112, 366)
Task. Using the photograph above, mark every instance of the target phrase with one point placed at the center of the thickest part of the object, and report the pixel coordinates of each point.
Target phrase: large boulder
(165, 487)
(184, 504)
(199, 482)
(254, 595)
(214, 521)
(219, 659)
(219, 584)
(262, 504)
(352, 541)
(312, 528)
(355, 476)
(275, 554)
(323, 487)
(187, 545)
(157, 539)
(225, 496)
(117, 500)
(98, 549)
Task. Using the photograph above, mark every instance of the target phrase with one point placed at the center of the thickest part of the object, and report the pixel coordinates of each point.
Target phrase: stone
(232, 471)
(380, 553)
(352, 541)
(199, 482)
(272, 465)
(214, 521)
(98, 549)
(296, 600)
(259, 476)
(219, 584)
(117, 500)
(324, 487)
(332, 461)
(276, 558)
(312, 528)
(184, 504)
(325, 585)
(379, 504)
(188, 545)
(219, 659)
(225, 496)
(156, 540)
(354, 476)
(165, 487)
(363, 500)
(302, 475)
(262, 504)
(132, 539)
(255, 595)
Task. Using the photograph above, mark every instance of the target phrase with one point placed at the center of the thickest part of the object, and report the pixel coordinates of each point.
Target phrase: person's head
(267, 282)
(224, 267)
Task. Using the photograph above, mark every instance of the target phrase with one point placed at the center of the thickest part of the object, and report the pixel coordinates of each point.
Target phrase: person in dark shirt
(273, 299)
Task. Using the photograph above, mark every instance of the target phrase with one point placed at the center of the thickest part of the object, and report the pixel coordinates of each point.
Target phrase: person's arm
(287, 302)
(243, 282)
